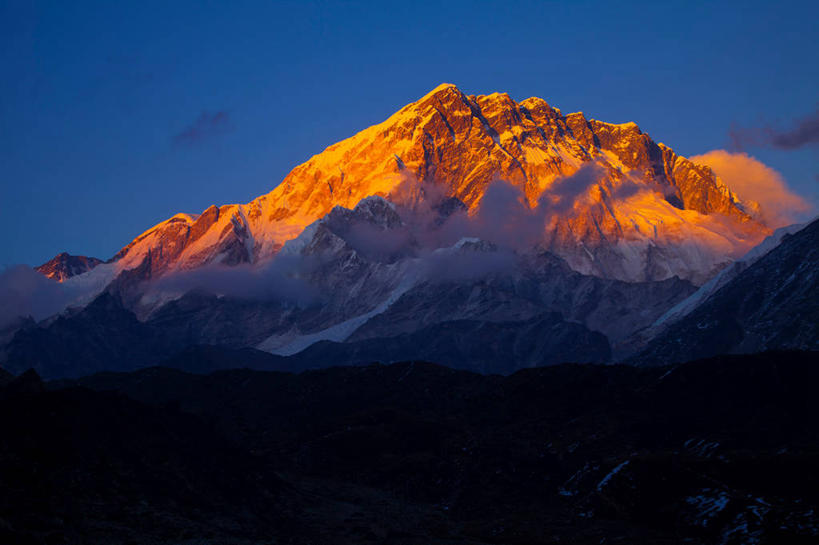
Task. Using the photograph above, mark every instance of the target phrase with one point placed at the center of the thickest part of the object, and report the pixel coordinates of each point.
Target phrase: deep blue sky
(94, 96)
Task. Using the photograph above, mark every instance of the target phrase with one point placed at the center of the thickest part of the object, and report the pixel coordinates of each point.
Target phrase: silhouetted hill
(79, 466)
(716, 451)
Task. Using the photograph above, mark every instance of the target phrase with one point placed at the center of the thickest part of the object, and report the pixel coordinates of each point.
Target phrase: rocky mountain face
(76, 343)
(64, 266)
(772, 304)
(719, 451)
(726, 275)
(638, 211)
(476, 345)
(341, 299)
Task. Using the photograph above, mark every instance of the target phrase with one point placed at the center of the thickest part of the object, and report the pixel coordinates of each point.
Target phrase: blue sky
(114, 117)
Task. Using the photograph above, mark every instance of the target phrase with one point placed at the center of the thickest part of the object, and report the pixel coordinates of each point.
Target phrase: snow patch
(686, 306)
(602, 484)
(88, 285)
(290, 343)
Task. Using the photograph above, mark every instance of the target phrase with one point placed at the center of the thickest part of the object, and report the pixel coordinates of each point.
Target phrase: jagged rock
(63, 266)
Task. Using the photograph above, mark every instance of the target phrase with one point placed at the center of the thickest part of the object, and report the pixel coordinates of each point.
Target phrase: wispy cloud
(752, 180)
(206, 126)
(503, 216)
(282, 278)
(25, 292)
(805, 132)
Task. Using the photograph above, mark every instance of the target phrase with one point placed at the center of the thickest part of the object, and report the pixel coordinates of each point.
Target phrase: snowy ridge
(605, 481)
(292, 342)
(727, 274)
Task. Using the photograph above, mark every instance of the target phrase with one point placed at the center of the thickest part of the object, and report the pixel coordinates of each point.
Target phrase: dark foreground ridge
(774, 304)
(723, 450)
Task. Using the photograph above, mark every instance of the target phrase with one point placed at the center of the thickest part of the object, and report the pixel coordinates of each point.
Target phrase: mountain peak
(440, 89)
(64, 266)
(645, 206)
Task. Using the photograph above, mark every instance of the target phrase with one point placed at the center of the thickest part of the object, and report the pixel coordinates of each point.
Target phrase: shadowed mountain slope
(773, 304)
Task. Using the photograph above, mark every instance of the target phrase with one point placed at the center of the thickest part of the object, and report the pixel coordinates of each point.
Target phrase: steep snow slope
(727, 274)
(771, 305)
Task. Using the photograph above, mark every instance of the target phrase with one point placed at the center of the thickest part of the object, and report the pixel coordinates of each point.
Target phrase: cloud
(432, 219)
(207, 125)
(804, 133)
(24, 292)
(562, 195)
(375, 242)
(505, 218)
(472, 261)
(752, 180)
(283, 278)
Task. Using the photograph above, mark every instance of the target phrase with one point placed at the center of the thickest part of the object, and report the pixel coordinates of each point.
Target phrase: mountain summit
(614, 203)
(473, 231)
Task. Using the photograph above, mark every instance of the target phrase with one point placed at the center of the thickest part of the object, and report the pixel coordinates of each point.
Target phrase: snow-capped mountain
(334, 296)
(727, 274)
(474, 231)
(606, 197)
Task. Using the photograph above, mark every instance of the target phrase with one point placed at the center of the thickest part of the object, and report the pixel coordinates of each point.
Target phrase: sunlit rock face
(647, 214)
(64, 266)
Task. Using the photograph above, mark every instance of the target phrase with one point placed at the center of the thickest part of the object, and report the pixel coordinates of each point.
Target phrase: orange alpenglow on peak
(648, 214)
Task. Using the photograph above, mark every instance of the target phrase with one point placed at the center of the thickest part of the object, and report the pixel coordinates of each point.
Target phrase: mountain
(475, 231)
(73, 344)
(476, 345)
(64, 266)
(726, 275)
(638, 211)
(772, 304)
(722, 450)
(332, 297)
(473, 306)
